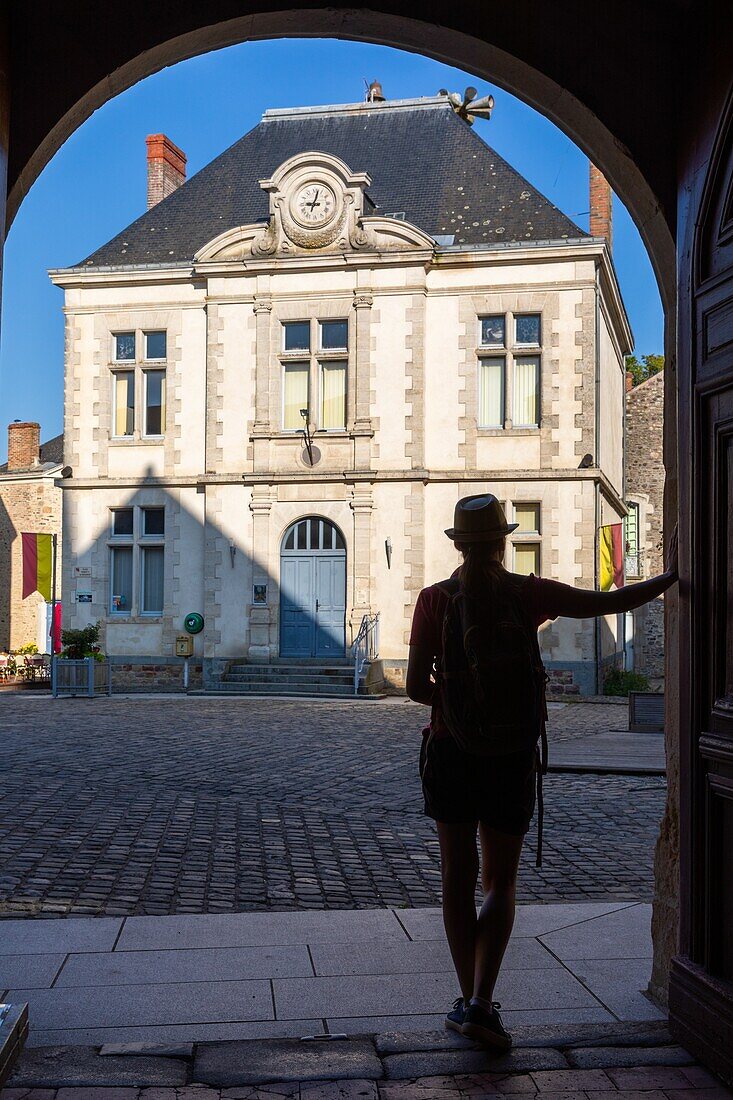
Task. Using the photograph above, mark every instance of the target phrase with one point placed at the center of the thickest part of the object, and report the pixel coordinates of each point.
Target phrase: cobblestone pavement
(188, 805)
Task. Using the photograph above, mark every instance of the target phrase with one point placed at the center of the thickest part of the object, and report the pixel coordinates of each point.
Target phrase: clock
(313, 205)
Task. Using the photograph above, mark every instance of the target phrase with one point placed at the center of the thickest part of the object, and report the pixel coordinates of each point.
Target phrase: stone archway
(520, 58)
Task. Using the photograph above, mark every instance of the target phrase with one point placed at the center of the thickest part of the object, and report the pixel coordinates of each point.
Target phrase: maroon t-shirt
(543, 600)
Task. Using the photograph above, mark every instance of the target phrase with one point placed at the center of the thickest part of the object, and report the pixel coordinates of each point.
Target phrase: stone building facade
(282, 377)
(644, 498)
(29, 501)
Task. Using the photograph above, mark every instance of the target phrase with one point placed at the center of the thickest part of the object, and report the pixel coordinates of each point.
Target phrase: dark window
(152, 565)
(334, 334)
(121, 577)
(155, 345)
(154, 402)
(297, 336)
(122, 521)
(153, 521)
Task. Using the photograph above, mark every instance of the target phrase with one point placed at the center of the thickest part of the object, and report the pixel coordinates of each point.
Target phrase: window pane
(124, 391)
(528, 517)
(315, 535)
(632, 528)
(125, 347)
(153, 521)
(155, 345)
(121, 576)
(492, 331)
(295, 397)
(527, 328)
(491, 393)
(154, 402)
(122, 521)
(339, 540)
(333, 394)
(301, 535)
(297, 336)
(527, 558)
(152, 567)
(526, 392)
(334, 334)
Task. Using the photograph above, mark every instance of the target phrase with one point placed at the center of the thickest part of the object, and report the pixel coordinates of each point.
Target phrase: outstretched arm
(579, 603)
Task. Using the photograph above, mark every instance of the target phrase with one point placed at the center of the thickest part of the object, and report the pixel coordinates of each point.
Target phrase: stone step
(302, 688)
(268, 678)
(290, 670)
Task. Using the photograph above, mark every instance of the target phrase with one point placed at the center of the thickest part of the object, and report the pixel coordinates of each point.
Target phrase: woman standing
(493, 794)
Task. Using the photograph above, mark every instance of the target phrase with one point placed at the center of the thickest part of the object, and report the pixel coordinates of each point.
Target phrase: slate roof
(423, 161)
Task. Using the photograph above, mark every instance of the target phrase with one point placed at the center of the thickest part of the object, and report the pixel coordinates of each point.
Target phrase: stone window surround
(139, 366)
(509, 351)
(314, 356)
(137, 541)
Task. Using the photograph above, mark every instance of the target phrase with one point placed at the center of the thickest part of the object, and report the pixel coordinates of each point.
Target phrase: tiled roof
(424, 162)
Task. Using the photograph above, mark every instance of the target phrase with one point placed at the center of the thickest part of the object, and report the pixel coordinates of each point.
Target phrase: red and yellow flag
(37, 564)
(611, 547)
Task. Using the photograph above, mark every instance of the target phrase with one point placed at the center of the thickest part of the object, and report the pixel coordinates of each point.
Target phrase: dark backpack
(491, 677)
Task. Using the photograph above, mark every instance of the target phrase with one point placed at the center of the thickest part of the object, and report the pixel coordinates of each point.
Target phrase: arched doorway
(312, 590)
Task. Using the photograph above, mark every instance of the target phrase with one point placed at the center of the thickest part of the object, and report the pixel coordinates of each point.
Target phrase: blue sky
(96, 183)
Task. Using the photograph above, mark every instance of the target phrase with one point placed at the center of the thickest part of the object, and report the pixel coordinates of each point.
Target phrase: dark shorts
(460, 788)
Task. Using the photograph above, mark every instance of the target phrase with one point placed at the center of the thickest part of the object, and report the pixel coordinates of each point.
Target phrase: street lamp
(306, 433)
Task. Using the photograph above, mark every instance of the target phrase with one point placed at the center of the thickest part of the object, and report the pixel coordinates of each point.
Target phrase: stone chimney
(24, 445)
(600, 206)
(166, 168)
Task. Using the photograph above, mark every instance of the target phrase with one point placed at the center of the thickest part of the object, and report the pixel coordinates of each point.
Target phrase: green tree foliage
(644, 368)
(81, 643)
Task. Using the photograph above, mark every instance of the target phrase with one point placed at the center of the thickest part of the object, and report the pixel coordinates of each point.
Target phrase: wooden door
(701, 987)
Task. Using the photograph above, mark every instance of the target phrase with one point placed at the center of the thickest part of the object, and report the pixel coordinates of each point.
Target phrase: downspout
(597, 484)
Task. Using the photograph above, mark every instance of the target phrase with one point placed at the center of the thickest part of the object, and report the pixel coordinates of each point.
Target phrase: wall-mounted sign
(82, 570)
(259, 593)
(83, 597)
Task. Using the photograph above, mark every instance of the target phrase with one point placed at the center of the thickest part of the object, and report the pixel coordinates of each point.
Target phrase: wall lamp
(307, 436)
(388, 552)
(232, 551)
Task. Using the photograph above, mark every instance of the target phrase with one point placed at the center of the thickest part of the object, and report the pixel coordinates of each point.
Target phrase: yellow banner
(45, 556)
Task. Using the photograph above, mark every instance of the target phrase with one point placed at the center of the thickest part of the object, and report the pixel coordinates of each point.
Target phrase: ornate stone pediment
(317, 205)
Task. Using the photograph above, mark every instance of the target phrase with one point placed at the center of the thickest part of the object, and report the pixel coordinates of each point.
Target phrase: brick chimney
(166, 168)
(24, 445)
(600, 206)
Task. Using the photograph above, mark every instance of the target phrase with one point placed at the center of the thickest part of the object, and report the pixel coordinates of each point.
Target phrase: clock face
(314, 204)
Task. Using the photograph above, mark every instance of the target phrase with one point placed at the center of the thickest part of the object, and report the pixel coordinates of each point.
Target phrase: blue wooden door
(297, 607)
(313, 590)
(330, 577)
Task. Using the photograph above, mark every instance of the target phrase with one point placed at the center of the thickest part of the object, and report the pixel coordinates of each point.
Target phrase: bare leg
(499, 864)
(459, 872)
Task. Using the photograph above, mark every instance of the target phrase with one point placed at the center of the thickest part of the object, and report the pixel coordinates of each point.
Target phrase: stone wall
(645, 486)
(154, 674)
(26, 504)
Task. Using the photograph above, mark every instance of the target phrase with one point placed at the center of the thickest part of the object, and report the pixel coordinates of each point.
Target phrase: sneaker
(454, 1019)
(486, 1026)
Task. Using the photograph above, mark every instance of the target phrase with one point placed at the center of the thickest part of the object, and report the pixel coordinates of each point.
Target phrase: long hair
(482, 571)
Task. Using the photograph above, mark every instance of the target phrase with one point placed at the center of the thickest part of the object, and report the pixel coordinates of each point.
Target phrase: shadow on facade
(8, 534)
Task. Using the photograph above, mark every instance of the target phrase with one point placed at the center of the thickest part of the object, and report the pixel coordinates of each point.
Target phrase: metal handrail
(365, 647)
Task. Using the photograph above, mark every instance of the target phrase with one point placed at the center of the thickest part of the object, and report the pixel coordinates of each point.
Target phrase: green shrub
(81, 643)
(618, 682)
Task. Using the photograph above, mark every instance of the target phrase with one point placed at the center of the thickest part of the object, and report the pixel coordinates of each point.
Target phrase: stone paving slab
(531, 920)
(578, 1036)
(409, 957)
(227, 1064)
(379, 995)
(195, 1032)
(618, 984)
(604, 1057)
(56, 1067)
(401, 1067)
(623, 934)
(619, 751)
(29, 970)
(258, 929)
(23, 937)
(122, 1006)
(194, 965)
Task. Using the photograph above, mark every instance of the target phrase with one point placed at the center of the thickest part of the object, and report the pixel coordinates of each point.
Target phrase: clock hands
(315, 202)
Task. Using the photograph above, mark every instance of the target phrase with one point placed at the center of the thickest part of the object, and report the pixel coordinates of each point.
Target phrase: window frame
(516, 343)
(136, 543)
(115, 373)
(482, 360)
(298, 353)
(154, 332)
(481, 317)
(516, 359)
(315, 359)
(145, 434)
(511, 352)
(524, 544)
(115, 335)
